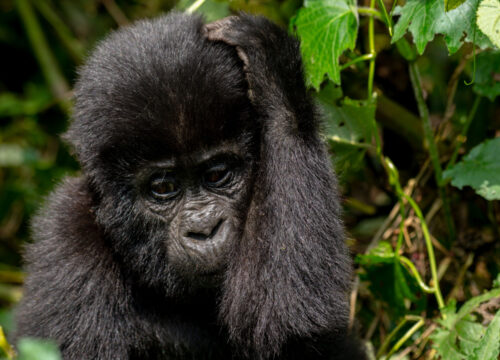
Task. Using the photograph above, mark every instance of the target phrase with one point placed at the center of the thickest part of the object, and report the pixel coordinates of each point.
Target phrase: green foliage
(480, 169)
(326, 29)
(460, 336)
(36, 100)
(389, 281)
(488, 67)
(349, 126)
(426, 19)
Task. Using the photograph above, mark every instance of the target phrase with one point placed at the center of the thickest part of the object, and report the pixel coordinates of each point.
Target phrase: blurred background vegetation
(43, 42)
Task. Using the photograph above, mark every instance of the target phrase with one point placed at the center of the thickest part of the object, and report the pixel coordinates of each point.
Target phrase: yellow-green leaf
(488, 20)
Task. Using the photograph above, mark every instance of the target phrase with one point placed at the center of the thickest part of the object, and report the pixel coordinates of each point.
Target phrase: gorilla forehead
(161, 85)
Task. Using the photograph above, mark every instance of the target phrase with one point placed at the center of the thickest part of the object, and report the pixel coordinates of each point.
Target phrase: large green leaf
(426, 19)
(487, 77)
(326, 29)
(480, 169)
(488, 20)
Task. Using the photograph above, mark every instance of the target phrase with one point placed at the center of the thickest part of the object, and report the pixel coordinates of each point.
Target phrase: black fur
(99, 281)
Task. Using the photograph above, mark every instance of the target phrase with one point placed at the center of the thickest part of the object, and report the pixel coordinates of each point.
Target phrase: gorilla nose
(204, 231)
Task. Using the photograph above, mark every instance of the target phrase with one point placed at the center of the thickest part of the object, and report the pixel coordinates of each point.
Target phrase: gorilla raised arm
(205, 224)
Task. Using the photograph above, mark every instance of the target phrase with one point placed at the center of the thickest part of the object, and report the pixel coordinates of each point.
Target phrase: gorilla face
(196, 199)
(166, 136)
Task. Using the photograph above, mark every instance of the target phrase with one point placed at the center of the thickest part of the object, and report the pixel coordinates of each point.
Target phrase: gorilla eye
(217, 176)
(163, 187)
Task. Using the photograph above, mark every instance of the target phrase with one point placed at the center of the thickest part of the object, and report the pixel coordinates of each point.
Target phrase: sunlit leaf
(488, 20)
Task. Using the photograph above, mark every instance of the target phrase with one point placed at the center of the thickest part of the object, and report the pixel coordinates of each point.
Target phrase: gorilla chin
(205, 223)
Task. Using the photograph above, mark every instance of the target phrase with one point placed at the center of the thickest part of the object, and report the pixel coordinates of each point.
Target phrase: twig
(50, 69)
(74, 47)
(116, 13)
(433, 151)
(460, 278)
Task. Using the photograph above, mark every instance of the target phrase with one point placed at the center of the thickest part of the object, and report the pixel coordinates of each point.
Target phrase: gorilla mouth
(203, 237)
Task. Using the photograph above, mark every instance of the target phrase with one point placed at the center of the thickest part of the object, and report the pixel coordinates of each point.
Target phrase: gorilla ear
(288, 278)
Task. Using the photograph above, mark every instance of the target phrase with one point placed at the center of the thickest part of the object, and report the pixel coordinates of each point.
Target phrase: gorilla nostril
(205, 235)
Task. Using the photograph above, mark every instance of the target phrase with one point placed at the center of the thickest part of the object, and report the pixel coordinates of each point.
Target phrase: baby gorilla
(205, 224)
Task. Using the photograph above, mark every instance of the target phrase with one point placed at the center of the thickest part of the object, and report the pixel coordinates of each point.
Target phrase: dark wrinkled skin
(147, 255)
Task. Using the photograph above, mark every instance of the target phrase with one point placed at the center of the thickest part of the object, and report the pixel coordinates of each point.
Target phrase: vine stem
(433, 151)
(356, 60)
(74, 47)
(394, 181)
(387, 340)
(195, 6)
(406, 336)
(5, 346)
(371, 42)
(430, 249)
(369, 11)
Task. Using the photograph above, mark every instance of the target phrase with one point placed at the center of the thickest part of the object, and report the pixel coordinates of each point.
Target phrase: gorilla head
(165, 132)
(205, 223)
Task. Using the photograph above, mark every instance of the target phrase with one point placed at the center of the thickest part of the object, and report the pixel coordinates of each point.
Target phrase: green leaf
(488, 20)
(326, 29)
(469, 333)
(389, 281)
(487, 79)
(444, 342)
(35, 349)
(489, 346)
(461, 337)
(452, 4)
(382, 253)
(480, 169)
(34, 100)
(425, 19)
(349, 126)
(421, 18)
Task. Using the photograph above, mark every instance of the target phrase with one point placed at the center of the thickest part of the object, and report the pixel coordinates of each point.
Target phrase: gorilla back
(205, 224)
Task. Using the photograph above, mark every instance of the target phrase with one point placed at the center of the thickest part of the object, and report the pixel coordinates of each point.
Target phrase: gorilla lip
(201, 237)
